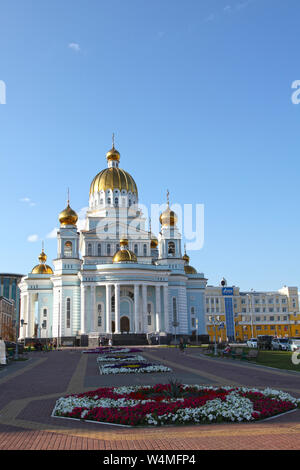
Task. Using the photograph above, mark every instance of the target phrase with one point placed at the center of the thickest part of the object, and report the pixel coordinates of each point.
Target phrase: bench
(238, 352)
(252, 354)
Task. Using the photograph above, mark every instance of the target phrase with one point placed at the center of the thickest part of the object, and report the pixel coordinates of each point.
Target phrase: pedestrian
(100, 342)
(2, 352)
(181, 345)
(110, 342)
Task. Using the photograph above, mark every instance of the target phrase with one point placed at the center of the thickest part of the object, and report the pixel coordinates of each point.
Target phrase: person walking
(2, 352)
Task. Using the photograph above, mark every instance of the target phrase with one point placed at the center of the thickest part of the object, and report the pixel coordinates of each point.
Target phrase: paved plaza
(29, 390)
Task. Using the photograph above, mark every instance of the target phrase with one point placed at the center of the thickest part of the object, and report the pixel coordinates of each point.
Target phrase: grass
(277, 359)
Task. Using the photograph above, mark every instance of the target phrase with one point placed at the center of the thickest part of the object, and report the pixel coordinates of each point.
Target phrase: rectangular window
(68, 325)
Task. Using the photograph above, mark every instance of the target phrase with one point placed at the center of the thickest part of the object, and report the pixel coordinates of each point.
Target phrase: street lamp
(175, 324)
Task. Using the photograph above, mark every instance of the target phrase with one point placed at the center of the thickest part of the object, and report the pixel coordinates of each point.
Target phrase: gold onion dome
(42, 268)
(113, 154)
(113, 177)
(68, 216)
(168, 217)
(186, 258)
(124, 255)
(154, 241)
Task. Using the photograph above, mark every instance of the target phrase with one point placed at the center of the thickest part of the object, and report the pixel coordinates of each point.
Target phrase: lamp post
(175, 324)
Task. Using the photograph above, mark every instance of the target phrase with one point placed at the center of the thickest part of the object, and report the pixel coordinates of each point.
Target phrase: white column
(136, 308)
(108, 308)
(117, 308)
(22, 316)
(166, 310)
(82, 315)
(29, 319)
(144, 309)
(158, 308)
(93, 315)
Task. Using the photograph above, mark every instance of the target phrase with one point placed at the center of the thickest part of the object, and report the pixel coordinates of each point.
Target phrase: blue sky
(198, 94)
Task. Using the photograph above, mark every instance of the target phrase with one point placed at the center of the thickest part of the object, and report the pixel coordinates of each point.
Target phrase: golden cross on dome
(150, 224)
(113, 140)
(68, 196)
(168, 196)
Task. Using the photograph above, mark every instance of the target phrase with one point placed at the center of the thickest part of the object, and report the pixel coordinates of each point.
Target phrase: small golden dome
(113, 154)
(154, 241)
(168, 218)
(186, 258)
(42, 268)
(68, 216)
(189, 269)
(124, 256)
(43, 257)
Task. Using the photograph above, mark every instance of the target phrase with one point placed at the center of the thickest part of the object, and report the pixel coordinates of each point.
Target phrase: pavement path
(29, 390)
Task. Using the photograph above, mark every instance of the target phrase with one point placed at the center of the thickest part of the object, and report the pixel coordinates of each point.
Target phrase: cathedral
(114, 277)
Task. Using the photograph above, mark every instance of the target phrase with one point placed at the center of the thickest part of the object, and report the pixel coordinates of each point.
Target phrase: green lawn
(278, 359)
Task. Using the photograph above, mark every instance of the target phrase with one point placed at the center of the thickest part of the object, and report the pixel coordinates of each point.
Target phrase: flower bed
(157, 405)
(120, 358)
(104, 350)
(132, 367)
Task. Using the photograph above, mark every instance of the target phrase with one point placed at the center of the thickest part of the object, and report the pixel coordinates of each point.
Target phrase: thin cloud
(32, 238)
(74, 46)
(28, 201)
(53, 233)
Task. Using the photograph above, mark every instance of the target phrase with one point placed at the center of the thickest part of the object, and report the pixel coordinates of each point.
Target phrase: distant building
(7, 310)
(238, 315)
(10, 290)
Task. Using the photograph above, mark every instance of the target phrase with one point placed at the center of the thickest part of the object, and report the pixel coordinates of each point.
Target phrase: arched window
(145, 249)
(116, 201)
(89, 249)
(99, 249)
(68, 249)
(108, 249)
(135, 249)
(171, 248)
(45, 312)
(68, 315)
(193, 310)
(108, 200)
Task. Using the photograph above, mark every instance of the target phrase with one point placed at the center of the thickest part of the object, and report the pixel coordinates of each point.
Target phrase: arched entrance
(113, 326)
(125, 325)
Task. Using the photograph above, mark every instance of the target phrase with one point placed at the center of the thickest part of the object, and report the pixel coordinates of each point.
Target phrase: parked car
(294, 344)
(252, 343)
(264, 342)
(280, 344)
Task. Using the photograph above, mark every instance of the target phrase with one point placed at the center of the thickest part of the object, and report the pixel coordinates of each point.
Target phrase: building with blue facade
(114, 276)
(10, 290)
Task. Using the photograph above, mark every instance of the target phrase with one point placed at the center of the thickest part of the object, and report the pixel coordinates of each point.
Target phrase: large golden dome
(113, 178)
(68, 216)
(42, 268)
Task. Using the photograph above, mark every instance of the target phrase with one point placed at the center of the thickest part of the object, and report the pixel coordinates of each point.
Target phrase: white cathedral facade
(114, 277)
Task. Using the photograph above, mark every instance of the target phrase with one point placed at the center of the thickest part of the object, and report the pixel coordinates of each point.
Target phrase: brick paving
(28, 392)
